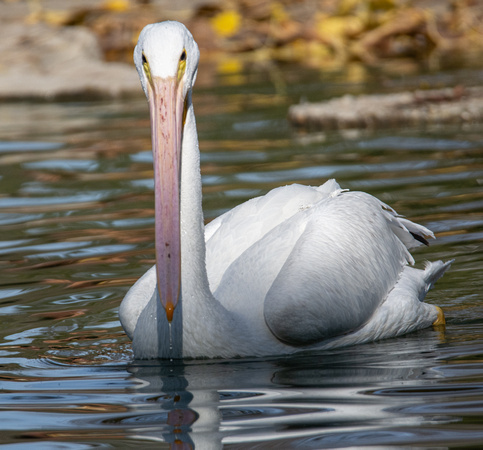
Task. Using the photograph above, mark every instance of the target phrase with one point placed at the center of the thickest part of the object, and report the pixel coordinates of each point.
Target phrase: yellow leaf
(229, 66)
(226, 23)
(338, 26)
(231, 70)
(117, 5)
(278, 13)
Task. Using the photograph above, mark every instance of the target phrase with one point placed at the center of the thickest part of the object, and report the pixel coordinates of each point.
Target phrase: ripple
(420, 436)
(68, 165)
(13, 218)
(238, 395)
(267, 413)
(22, 202)
(429, 391)
(28, 146)
(459, 409)
(416, 143)
(328, 171)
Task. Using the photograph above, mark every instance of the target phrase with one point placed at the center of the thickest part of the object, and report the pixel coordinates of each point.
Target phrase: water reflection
(314, 401)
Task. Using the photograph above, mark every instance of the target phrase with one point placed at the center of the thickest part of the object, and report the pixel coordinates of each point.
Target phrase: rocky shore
(44, 62)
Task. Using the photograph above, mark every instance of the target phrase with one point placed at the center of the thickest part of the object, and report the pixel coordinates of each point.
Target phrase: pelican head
(166, 58)
(165, 51)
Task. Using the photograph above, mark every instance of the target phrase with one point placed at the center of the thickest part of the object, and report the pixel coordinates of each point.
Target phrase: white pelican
(300, 268)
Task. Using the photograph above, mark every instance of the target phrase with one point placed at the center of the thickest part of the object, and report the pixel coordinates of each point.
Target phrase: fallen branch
(450, 105)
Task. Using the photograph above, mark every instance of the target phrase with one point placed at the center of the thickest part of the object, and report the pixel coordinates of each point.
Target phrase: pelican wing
(245, 225)
(316, 270)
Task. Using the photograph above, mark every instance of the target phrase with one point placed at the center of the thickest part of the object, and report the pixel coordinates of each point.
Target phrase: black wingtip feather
(420, 238)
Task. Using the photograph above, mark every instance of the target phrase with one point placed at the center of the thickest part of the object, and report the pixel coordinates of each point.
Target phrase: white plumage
(297, 269)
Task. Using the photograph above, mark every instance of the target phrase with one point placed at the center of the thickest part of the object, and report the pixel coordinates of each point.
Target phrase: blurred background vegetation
(323, 34)
(306, 31)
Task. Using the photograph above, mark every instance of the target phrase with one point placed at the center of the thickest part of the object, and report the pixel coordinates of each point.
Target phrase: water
(76, 214)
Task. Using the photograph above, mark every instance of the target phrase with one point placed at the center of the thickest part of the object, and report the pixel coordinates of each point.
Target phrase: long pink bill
(166, 110)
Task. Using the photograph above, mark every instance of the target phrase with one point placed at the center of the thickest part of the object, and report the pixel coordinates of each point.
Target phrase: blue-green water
(76, 217)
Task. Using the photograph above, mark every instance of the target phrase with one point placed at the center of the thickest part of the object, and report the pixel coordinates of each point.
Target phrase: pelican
(301, 268)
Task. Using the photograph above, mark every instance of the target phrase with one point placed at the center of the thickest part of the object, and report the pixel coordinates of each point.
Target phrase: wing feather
(232, 233)
(340, 270)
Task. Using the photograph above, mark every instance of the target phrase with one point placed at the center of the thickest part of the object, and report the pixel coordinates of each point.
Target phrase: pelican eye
(182, 64)
(146, 68)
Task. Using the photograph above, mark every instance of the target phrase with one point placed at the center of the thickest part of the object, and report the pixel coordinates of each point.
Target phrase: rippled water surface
(76, 218)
